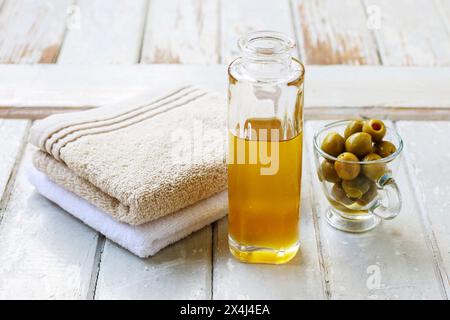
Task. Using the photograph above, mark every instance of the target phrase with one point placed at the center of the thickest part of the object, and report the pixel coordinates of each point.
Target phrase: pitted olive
(360, 144)
(333, 144)
(369, 196)
(375, 128)
(357, 187)
(353, 127)
(347, 170)
(373, 171)
(339, 195)
(328, 172)
(384, 148)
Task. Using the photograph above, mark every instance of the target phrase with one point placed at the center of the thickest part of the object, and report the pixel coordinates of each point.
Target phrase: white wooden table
(94, 54)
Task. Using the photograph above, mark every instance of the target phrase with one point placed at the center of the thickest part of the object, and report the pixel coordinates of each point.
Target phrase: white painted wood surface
(180, 271)
(397, 92)
(104, 32)
(12, 135)
(444, 8)
(397, 250)
(239, 17)
(32, 31)
(334, 32)
(411, 33)
(233, 280)
(301, 278)
(427, 159)
(44, 252)
(122, 275)
(181, 31)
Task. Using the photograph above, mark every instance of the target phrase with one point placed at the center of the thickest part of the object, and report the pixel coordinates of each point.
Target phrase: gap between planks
(13, 173)
(101, 241)
(431, 240)
(144, 27)
(214, 241)
(395, 258)
(323, 256)
(310, 113)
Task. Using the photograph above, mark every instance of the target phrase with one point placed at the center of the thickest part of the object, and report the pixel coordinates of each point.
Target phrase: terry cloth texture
(148, 156)
(144, 240)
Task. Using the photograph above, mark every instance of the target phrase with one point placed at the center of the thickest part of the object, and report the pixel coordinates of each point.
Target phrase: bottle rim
(265, 43)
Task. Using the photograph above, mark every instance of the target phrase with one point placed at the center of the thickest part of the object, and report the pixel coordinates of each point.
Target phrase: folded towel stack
(144, 172)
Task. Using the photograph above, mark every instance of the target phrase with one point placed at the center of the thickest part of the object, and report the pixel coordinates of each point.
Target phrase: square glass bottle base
(251, 254)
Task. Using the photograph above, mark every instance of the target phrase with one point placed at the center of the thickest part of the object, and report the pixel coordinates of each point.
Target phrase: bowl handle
(389, 204)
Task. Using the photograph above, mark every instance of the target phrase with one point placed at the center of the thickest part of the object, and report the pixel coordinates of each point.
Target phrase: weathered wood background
(394, 57)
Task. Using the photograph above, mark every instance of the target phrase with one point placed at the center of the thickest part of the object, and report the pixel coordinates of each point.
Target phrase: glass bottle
(265, 125)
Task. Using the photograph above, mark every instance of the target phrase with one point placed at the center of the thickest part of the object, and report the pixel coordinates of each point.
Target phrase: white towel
(143, 240)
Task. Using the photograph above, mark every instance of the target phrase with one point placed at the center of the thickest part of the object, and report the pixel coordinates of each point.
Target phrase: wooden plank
(105, 32)
(316, 113)
(44, 252)
(181, 271)
(334, 32)
(12, 135)
(239, 17)
(111, 32)
(181, 31)
(396, 251)
(332, 91)
(301, 278)
(444, 9)
(234, 280)
(411, 35)
(427, 163)
(32, 31)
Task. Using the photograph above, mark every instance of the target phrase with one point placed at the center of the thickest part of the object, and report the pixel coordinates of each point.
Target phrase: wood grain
(44, 252)
(12, 135)
(331, 90)
(397, 249)
(111, 32)
(181, 271)
(181, 31)
(32, 31)
(411, 34)
(444, 8)
(239, 17)
(334, 32)
(427, 163)
(301, 278)
(234, 280)
(104, 32)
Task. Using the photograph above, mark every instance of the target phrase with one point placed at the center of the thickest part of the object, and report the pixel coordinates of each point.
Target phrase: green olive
(339, 195)
(333, 144)
(360, 144)
(353, 127)
(328, 172)
(373, 171)
(375, 128)
(384, 148)
(357, 187)
(369, 196)
(347, 170)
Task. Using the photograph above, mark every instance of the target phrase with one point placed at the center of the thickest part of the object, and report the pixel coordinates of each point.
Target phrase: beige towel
(142, 159)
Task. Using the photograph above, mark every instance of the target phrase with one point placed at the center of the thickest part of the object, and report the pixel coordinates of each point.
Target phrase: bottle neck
(266, 54)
